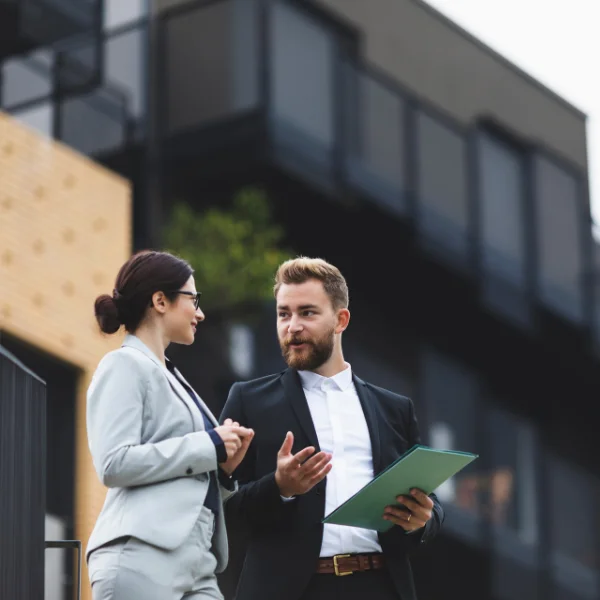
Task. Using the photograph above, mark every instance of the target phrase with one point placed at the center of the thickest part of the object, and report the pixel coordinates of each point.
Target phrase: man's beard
(316, 352)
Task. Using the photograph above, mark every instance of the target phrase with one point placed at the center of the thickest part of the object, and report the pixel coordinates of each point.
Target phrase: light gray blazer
(150, 449)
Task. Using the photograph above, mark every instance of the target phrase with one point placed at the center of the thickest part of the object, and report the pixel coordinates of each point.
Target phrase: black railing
(22, 480)
(66, 98)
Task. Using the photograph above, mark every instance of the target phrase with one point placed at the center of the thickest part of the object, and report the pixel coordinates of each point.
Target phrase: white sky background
(555, 41)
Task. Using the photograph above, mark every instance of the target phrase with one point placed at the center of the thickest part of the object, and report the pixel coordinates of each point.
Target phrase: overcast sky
(555, 41)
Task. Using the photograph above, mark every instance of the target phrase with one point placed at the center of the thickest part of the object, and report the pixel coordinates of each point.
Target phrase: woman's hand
(237, 440)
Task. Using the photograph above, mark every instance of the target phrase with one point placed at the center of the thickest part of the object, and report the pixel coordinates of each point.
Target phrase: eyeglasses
(196, 296)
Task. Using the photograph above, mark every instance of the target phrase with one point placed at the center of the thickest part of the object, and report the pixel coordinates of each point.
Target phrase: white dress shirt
(341, 430)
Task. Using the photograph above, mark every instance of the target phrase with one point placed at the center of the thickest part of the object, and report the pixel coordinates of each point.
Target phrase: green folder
(421, 467)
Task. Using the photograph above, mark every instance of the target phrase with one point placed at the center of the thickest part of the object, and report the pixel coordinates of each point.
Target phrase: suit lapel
(294, 394)
(369, 406)
(183, 395)
(134, 342)
(203, 404)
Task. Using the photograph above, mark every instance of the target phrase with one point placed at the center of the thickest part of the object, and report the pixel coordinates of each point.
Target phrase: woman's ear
(159, 302)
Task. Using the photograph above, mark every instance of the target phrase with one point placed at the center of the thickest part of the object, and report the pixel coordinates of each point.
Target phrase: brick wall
(65, 229)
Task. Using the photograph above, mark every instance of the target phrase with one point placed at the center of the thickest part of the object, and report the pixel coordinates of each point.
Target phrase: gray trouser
(129, 569)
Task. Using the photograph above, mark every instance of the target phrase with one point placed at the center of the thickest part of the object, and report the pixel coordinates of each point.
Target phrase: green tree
(234, 252)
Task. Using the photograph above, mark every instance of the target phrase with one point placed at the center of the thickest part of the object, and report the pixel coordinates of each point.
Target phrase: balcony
(57, 92)
(29, 24)
(273, 83)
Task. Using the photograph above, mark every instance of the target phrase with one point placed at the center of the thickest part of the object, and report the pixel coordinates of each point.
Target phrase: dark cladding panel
(22, 480)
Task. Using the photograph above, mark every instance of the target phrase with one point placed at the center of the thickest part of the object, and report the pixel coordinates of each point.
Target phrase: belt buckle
(336, 567)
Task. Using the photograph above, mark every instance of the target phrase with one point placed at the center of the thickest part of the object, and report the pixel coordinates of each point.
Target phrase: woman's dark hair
(139, 278)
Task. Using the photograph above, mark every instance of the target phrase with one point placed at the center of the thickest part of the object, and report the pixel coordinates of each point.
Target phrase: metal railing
(22, 480)
(68, 101)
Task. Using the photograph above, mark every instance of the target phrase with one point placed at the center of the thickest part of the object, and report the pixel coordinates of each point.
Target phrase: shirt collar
(313, 381)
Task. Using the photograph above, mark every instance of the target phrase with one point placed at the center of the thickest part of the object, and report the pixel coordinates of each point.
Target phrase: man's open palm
(298, 473)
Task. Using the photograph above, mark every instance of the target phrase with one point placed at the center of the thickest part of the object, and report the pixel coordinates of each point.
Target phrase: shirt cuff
(288, 499)
(227, 481)
(219, 445)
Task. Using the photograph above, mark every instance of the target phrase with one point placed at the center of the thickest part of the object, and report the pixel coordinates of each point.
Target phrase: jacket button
(189, 471)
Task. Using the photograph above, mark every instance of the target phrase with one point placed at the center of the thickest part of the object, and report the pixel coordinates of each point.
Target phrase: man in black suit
(338, 432)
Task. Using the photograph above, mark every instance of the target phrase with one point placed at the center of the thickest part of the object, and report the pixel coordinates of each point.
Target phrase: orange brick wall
(65, 229)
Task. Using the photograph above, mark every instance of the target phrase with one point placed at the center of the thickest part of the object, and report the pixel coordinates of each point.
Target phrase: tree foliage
(234, 252)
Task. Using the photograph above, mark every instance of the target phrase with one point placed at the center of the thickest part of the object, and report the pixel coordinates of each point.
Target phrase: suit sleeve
(115, 408)
(258, 502)
(433, 526)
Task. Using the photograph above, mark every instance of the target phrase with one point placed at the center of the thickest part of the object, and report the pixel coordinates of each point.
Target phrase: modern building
(65, 229)
(451, 189)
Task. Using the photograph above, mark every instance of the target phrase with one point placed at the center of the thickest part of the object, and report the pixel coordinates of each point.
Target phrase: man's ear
(159, 302)
(343, 319)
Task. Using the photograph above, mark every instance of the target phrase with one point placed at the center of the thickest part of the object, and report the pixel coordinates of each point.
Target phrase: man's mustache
(291, 341)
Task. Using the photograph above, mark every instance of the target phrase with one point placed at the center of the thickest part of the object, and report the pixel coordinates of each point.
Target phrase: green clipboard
(420, 467)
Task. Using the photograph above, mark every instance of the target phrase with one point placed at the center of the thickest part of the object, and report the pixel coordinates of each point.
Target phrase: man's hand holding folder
(415, 514)
(407, 481)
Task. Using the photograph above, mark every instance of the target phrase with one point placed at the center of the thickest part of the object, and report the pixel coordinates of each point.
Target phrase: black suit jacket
(284, 538)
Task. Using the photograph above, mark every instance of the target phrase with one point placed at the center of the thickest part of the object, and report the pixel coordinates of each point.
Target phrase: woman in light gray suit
(156, 446)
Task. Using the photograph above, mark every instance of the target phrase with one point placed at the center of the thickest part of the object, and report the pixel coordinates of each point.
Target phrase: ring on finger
(409, 517)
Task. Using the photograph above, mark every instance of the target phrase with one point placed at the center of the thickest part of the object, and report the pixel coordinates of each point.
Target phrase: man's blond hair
(302, 269)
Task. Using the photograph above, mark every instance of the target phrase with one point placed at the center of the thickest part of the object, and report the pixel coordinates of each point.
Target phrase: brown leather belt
(347, 564)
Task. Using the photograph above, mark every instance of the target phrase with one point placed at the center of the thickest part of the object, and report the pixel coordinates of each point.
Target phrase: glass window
(558, 209)
(449, 391)
(302, 74)
(246, 47)
(211, 63)
(374, 131)
(39, 117)
(25, 79)
(118, 13)
(92, 123)
(502, 210)
(442, 187)
(510, 489)
(79, 65)
(574, 524)
(502, 228)
(124, 67)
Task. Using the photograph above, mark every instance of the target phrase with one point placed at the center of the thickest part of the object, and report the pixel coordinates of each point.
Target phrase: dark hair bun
(138, 279)
(107, 314)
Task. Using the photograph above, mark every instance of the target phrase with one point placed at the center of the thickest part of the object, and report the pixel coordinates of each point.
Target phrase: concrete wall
(65, 229)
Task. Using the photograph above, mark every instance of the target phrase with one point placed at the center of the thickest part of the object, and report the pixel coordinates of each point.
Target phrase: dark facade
(23, 479)
(451, 190)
